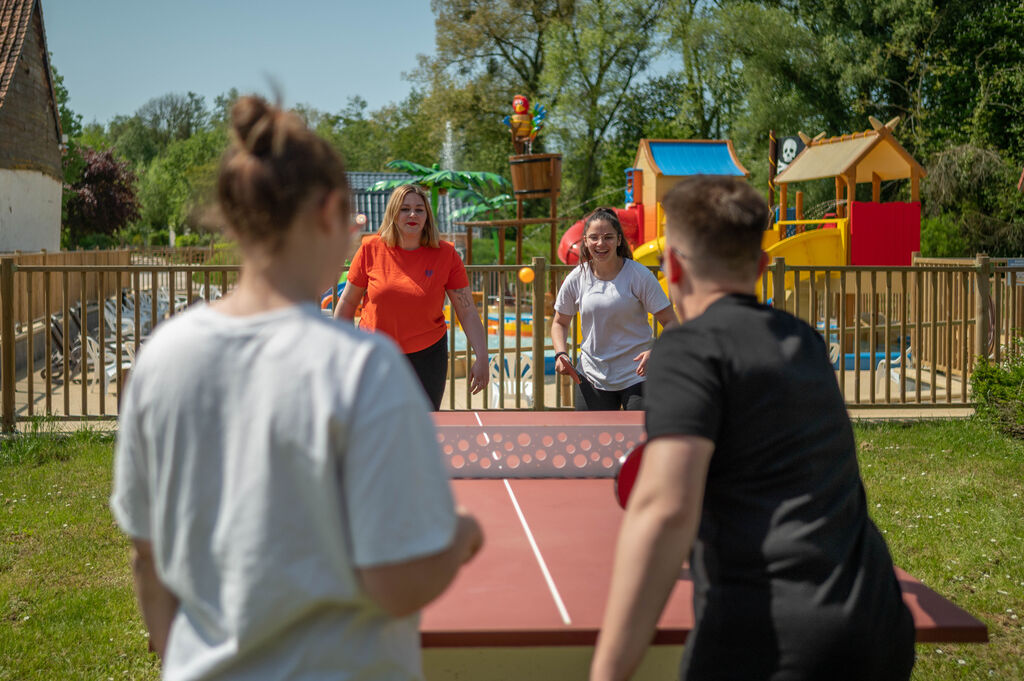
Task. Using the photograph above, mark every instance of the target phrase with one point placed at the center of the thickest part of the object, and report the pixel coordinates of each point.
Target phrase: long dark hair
(608, 215)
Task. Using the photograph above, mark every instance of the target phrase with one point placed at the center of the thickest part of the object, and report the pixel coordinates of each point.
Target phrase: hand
(641, 359)
(469, 528)
(479, 374)
(562, 364)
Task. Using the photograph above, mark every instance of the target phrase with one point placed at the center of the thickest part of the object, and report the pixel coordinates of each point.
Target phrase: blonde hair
(389, 232)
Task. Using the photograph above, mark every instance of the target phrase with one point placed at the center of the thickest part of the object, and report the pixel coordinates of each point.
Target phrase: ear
(762, 264)
(675, 271)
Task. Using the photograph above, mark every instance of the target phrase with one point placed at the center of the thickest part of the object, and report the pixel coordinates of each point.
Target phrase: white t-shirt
(265, 458)
(613, 320)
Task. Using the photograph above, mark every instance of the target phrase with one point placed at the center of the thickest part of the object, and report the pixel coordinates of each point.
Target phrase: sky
(115, 55)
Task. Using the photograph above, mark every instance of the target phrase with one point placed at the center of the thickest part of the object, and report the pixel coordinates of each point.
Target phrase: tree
(157, 123)
(972, 201)
(103, 200)
(496, 41)
(593, 62)
(438, 181)
(181, 180)
(72, 161)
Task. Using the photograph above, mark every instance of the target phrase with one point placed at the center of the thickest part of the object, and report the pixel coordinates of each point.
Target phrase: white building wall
(29, 211)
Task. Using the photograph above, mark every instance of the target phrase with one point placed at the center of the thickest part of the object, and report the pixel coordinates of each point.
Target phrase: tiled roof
(362, 180)
(15, 20)
(15, 17)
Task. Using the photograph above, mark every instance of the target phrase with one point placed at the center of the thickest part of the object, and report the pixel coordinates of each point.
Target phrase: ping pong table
(530, 604)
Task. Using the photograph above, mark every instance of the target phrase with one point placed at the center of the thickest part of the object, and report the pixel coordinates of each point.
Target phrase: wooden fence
(896, 336)
(28, 296)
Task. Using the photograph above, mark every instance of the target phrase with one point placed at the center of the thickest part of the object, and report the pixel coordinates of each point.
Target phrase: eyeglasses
(679, 254)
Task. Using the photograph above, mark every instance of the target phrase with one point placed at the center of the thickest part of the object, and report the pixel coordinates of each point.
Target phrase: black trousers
(589, 398)
(431, 367)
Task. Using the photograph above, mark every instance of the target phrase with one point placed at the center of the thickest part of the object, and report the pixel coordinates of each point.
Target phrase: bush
(195, 239)
(941, 237)
(225, 253)
(999, 391)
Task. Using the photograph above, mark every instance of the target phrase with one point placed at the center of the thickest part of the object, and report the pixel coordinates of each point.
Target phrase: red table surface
(501, 598)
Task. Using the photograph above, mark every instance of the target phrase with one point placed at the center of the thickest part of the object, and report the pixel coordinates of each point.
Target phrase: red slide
(569, 246)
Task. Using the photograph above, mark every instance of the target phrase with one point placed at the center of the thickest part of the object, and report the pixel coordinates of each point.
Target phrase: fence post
(539, 285)
(779, 283)
(7, 343)
(982, 296)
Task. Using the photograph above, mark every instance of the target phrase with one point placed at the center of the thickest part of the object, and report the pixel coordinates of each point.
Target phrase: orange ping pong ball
(361, 220)
(526, 274)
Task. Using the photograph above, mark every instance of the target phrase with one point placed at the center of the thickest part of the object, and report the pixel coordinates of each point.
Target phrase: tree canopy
(611, 72)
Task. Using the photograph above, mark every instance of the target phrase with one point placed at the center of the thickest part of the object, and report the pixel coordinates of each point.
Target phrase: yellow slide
(649, 255)
(816, 248)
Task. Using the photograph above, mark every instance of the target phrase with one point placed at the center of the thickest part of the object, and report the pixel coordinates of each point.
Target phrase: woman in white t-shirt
(613, 295)
(284, 522)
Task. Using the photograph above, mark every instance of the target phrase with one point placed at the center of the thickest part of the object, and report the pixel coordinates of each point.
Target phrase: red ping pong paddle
(572, 372)
(572, 369)
(625, 478)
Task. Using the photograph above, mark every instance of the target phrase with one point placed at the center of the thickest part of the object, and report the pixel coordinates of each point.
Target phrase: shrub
(999, 391)
(225, 253)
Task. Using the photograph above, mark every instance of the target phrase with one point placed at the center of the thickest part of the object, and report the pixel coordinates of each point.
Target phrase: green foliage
(941, 238)
(101, 201)
(974, 190)
(735, 69)
(224, 253)
(999, 391)
(180, 181)
(593, 62)
(196, 239)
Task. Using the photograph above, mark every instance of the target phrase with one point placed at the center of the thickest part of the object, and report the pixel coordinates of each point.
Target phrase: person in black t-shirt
(751, 465)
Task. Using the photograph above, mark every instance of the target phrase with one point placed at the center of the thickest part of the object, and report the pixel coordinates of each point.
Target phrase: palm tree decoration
(470, 185)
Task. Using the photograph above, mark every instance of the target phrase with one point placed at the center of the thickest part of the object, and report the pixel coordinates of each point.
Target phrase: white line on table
(533, 543)
(540, 559)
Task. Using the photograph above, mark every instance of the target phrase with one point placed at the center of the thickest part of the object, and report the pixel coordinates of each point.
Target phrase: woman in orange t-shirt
(405, 273)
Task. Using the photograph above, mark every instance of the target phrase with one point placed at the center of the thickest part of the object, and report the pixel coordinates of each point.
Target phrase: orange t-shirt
(405, 290)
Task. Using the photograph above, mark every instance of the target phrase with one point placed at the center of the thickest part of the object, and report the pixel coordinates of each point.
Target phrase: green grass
(949, 497)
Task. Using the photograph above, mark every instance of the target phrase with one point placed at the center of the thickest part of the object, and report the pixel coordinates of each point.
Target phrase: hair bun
(252, 119)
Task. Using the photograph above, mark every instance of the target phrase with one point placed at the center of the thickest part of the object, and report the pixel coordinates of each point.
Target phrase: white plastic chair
(893, 375)
(504, 381)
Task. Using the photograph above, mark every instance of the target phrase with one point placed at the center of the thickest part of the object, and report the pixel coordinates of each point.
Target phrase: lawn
(949, 497)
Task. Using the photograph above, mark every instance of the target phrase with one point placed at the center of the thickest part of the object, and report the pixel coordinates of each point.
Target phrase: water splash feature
(448, 148)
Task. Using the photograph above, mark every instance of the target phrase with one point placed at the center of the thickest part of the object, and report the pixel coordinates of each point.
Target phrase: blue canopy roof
(688, 157)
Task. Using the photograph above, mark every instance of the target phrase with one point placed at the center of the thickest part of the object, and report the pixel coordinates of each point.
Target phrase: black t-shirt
(792, 579)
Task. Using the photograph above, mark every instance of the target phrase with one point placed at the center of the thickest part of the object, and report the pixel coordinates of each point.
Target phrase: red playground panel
(541, 580)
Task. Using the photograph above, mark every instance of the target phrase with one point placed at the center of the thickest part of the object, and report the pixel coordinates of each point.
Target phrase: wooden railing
(897, 336)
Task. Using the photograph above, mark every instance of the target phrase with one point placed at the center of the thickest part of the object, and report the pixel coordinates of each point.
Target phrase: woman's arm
(351, 296)
(157, 603)
(667, 317)
(403, 588)
(559, 334)
(465, 310)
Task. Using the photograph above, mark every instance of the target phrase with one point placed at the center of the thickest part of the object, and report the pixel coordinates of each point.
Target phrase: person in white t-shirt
(613, 295)
(278, 472)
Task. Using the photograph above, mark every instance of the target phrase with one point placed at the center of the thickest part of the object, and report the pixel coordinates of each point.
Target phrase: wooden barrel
(536, 175)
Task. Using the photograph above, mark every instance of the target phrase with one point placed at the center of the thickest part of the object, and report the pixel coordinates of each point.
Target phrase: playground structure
(860, 233)
(856, 233)
(658, 166)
